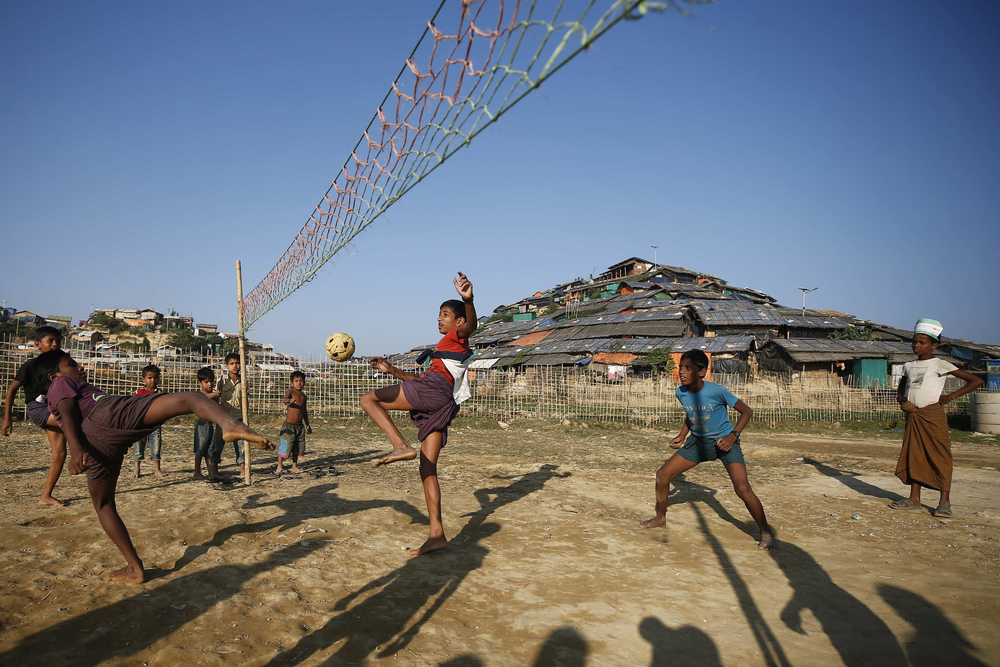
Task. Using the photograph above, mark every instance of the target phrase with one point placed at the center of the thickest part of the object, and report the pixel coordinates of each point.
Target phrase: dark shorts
(111, 428)
(698, 449)
(204, 433)
(435, 405)
(292, 439)
(38, 413)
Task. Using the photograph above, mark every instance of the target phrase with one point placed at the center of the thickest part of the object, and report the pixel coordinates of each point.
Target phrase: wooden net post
(244, 372)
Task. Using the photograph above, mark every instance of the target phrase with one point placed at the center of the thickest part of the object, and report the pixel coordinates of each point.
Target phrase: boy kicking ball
(432, 398)
(712, 437)
(100, 429)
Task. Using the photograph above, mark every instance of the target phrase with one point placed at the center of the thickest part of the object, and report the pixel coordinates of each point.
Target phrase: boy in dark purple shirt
(100, 429)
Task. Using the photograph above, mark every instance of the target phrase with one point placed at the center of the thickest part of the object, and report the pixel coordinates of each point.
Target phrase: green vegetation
(500, 317)
(660, 357)
(105, 321)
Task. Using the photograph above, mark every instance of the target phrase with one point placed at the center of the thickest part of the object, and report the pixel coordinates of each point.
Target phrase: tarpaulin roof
(806, 350)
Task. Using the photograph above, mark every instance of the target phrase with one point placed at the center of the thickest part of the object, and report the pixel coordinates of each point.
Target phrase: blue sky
(850, 146)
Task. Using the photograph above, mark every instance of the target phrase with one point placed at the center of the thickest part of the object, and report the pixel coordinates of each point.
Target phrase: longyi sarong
(435, 405)
(926, 455)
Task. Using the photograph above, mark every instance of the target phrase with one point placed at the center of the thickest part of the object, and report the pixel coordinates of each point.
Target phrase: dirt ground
(546, 564)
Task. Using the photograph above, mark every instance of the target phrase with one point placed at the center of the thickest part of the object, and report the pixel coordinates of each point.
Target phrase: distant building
(205, 329)
(29, 318)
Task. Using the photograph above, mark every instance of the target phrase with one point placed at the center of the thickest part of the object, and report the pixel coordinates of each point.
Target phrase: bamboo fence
(545, 392)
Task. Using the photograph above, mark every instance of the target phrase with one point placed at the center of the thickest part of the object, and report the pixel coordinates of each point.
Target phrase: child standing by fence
(204, 432)
(231, 399)
(925, 459)
(46, 339)
(296, 426)
(150, 385)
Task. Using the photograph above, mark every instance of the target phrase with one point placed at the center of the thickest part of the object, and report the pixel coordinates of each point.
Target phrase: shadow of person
(315, 502)
(851, 481)
(856, 632)
(687, 645)
(385, 618)
(936, 640)
(565, 647)
(89, 639)
(463, 661)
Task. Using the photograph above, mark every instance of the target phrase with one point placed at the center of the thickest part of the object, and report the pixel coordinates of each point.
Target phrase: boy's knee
(663, 476)
(743, 489)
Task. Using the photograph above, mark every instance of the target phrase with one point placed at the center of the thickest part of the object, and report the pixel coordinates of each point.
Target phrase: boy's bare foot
(234, 430)
(401, 454)
(136, 475)
(49, 500)
(655, 522)
(197, 475)
(767, 542)
(159, 473)
(129, 574)
(432, 544)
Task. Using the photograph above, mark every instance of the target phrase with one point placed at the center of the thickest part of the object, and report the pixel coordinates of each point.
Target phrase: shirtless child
(293, 431)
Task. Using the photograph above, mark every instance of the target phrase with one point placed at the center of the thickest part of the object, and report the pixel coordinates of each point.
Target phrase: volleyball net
(475, 60)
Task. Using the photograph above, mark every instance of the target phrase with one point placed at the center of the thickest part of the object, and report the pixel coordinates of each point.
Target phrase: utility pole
(806, 290)
(654, 247)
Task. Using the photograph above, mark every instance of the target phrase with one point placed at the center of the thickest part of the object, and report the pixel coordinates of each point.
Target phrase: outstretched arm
(464, 289)
(971, 384)
(381, 364)
(8, 404)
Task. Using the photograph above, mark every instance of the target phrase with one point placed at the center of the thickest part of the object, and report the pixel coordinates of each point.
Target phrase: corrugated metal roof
(806, 350)
(737, 313)
(632, 345)
(815, 322)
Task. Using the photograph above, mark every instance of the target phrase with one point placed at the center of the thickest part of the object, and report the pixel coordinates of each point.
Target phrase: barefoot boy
(712, 437)
(150, 385)
(204, 432)
(926, 456)
(432, 398)
(231, 399)
(46, 338)
(293, 433)
(100, 428)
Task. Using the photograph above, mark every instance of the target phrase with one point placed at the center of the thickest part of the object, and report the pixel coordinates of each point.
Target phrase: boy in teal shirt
(712, 437)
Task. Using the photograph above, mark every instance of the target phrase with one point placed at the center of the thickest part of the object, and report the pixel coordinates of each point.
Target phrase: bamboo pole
(244, 374)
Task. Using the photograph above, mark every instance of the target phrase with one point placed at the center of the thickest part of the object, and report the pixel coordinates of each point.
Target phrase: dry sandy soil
(546, 564)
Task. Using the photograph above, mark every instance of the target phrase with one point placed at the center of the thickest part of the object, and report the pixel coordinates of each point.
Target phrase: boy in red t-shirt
(150, 385)
(432, 398)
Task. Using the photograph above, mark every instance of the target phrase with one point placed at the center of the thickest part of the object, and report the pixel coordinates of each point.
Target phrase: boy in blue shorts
(712, 437)
(204, 432)
(46, 338)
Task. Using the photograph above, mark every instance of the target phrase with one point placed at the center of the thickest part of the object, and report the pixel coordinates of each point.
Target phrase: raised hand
(462, 286)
